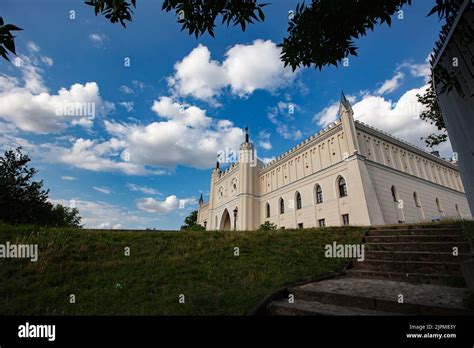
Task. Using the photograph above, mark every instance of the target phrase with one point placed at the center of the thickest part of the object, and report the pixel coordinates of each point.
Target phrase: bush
(267, 226)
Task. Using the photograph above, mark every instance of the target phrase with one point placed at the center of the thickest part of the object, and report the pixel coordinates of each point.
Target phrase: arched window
(341, 183)
(417, 200)
(319, 194)
(298, 200)
(267, 210)
(394, 194)
(439, 206)
(282, 206)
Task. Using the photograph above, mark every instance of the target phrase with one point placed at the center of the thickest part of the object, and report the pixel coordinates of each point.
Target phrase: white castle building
(348, 173)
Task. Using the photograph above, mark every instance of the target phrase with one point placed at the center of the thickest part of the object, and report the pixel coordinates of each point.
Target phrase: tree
(24, 201)
(190, 222)
(433, 115)
(6, 39)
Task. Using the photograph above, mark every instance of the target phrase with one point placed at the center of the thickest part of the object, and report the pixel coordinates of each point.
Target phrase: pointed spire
(247, 137)
(217, 165)
(344, 103)
(201, 200)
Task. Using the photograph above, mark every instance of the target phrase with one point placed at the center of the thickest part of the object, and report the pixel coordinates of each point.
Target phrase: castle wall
(406, 185)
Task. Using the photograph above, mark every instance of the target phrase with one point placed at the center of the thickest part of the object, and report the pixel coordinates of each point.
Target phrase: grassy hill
(162, 265)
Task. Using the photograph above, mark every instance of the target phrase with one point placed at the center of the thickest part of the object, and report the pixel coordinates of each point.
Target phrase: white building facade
(348, 173)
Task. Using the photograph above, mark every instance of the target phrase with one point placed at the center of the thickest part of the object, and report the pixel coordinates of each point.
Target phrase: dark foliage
(190, 223)
(323, 33)
(24, 201)
(433, 115)
(199, 16)
(6, 39)
(114, 10)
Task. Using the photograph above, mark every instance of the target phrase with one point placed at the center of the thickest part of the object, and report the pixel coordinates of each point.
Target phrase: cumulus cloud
(245, 69)
(166, 206)
(44, 112)
(187, 115)
(31, 107)
(400, 118)
(330, 113)
(186, 137)
(99, 157)
(391, 84)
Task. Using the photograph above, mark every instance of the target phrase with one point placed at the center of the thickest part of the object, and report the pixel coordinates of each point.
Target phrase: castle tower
(248, 217)
(216, 173)
(347, 119)
(362, 187)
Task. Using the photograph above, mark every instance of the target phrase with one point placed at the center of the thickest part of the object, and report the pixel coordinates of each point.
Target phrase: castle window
(322, 222)
(439, 206)
(417, 199)
(341, 183)
(298, 200)
(345, 219)
(319, 194)
(394, 194)
(282, 206)
(267, 210)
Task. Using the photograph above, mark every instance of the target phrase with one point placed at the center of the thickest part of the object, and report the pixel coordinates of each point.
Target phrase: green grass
(162, 265)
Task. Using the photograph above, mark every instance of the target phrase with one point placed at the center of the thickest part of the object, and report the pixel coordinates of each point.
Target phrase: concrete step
(418, 231)
(416, 256)
(414, 278)
(463, 247)
(414, 238)
(301, 307)
(427, 267)
(383, 296)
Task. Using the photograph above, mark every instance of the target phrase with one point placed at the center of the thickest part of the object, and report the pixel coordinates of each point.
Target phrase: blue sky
(145, 156)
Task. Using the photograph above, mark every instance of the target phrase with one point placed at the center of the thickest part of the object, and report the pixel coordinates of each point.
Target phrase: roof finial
(247, 137)
(200, 199)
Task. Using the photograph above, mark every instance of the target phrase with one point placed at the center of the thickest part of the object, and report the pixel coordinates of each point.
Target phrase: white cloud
(187, 115)
(125, 89)
(104, 215)
(98, 39)
(102, 189)
(143, 189)
(330, 113)
(31, 107)
(68, 178)
(128, 105)
(44, 112)
(187, 137)
(169, 205)
(245, 69)
(400, 119)
(99, 157)
(392, 84)
(32, 47)
(264, 140)
(419, 70)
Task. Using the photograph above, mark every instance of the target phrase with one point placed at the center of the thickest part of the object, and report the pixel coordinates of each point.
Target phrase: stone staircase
(413, 263)
(423, 254)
